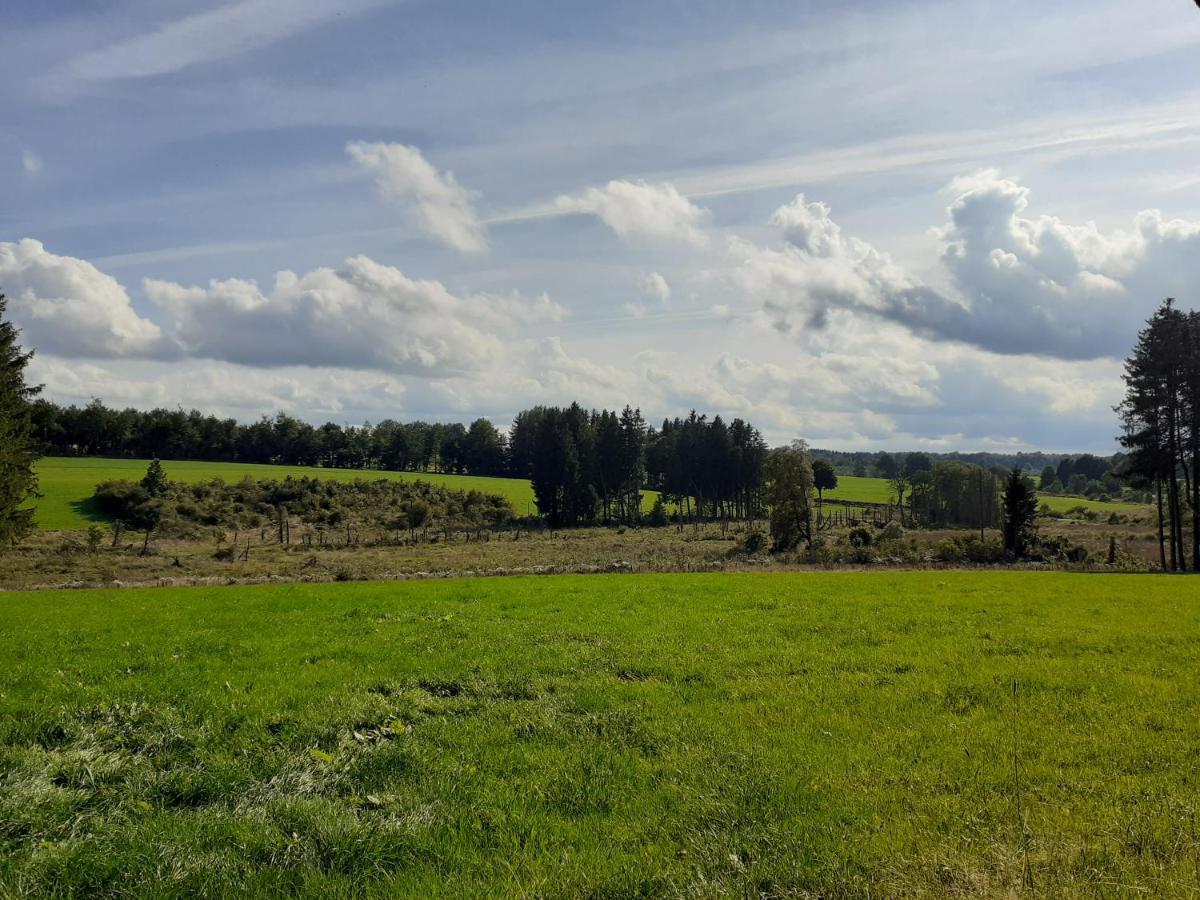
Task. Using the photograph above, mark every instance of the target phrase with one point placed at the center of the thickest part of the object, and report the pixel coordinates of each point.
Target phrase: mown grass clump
(768, 735)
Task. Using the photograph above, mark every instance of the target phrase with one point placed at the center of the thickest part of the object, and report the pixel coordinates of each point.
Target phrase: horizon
(903, 227)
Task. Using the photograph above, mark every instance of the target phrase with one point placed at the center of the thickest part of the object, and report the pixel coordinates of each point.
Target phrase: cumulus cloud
(435, 201)
(655, 287)
(67, 306)
(819, 269)
(364, 315)
(1024, 285)
(636, 209)
(1043, 285)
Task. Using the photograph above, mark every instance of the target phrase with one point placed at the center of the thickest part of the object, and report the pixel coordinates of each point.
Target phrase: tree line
(588, 466)
(1160, 415)
(99, 430)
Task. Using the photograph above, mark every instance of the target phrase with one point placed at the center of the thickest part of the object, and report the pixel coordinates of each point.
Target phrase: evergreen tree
(18, 482)
(1020, 514)
(155, 480)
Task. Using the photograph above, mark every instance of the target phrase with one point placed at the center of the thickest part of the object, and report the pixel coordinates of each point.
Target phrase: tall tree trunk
(1162, 547)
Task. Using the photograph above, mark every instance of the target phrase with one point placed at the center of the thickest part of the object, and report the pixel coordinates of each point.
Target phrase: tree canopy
(18, 482)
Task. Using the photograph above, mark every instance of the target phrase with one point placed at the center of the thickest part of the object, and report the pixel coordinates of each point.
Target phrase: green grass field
(1062, 504)
(878, 490)
(862, 490)
(834, 735)
(66, 482)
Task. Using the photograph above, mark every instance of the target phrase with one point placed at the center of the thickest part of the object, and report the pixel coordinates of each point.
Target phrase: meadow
(67, 482)
(836, 735)
(857, 489)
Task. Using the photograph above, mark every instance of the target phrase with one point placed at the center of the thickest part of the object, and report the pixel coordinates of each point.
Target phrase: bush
(752, 543)
(249, 503)
(860, 537)
(658, 514)
(969, 549)
(891, 532)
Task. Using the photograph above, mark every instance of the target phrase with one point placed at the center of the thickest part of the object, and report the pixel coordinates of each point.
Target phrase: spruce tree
(155, 480)
(18, 482)
(1020, 514)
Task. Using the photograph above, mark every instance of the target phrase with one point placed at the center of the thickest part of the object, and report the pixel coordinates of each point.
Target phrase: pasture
(856, 489)
(836, 735)
(66, 483)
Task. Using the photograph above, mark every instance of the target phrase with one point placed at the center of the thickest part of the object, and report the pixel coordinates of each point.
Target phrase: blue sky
(896, 224)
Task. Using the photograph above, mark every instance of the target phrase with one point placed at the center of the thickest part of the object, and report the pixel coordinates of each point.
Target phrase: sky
(888, 224)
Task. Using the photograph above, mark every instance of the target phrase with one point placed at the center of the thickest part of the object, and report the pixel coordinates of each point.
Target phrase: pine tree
(1020, 514)
(18, 482)
(155, 480)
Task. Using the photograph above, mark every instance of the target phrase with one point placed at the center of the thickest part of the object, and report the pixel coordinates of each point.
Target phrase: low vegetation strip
(823, 735)
(67, 483)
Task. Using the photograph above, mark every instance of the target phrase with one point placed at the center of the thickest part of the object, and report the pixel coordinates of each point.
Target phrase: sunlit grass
(837, 735)
(67, 482)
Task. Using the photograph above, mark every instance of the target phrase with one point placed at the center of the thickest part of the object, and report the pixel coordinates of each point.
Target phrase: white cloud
(68, 306)
(437, 203)
(636, 310)
(223, 389)
(655, 287)
(31, 163)
(636, 209)
(1024, 286)
(206, 37)
(1043, 285)
(362, 316)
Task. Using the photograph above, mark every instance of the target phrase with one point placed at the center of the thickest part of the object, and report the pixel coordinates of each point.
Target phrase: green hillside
(66, 483)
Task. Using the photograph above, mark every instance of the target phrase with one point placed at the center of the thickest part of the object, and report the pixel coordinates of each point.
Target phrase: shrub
(752, 543)
(860, 537)
(658, 514)
(969, 549)
(891, 532)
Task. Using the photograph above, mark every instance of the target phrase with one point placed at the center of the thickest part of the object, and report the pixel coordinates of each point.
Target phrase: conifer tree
(1020, 514)
(18, 481)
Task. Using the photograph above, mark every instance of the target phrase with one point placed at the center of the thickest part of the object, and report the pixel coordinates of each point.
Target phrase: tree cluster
(955, 494)
(1160, 416)
(98, 430)
(18, 483)
(588, 466)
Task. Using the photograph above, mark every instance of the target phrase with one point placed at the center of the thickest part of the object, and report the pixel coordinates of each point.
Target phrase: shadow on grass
(89, 510)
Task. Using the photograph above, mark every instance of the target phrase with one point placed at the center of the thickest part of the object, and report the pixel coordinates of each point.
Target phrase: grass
(67, 482)
(835, 735)
(857, 489)
(878, 490)
(1062, 504)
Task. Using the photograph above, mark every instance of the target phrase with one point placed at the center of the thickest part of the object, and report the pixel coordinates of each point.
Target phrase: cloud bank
(1023, 285)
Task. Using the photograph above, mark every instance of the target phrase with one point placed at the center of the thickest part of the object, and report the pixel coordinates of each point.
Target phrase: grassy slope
(67, 482)
(862, 490)
(830, 735)
(877, 490)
